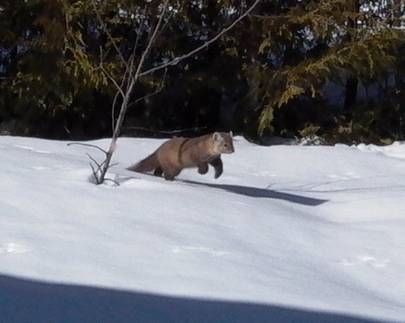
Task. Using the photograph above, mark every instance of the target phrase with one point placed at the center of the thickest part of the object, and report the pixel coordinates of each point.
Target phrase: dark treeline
(332, 68)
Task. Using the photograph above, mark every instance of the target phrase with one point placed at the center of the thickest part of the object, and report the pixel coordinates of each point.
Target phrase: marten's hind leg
(170, 173)
(158, 171)
(203, 168)
(218, 166)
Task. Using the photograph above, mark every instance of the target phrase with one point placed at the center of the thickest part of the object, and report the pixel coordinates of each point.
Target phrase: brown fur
(178, 153)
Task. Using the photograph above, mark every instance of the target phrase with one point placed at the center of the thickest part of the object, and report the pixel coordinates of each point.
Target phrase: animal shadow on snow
(263, 193)
(24, 301)
(242, 190)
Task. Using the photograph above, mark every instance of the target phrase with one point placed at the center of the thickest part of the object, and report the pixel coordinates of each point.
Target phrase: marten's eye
(226, 145)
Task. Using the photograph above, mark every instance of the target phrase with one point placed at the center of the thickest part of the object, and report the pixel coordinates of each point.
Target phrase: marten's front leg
(203, 168)
(217, 164)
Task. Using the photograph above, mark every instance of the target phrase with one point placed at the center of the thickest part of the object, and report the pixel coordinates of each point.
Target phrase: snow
(294, 231)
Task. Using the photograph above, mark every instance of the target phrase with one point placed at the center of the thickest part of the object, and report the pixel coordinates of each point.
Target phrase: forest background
(332, 70)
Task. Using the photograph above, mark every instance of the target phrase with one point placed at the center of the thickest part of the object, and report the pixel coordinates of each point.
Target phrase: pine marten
(178, 153)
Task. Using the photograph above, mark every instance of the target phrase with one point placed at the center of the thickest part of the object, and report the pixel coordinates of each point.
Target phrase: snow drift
(302, 230)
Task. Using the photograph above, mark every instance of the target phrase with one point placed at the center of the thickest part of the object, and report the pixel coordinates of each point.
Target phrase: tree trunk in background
(399, 84)
(351, 92)
(352, 81)
(396, 12)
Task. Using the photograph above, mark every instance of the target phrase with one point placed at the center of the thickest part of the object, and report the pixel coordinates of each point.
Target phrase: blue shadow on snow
(263, 193)
(23, 301)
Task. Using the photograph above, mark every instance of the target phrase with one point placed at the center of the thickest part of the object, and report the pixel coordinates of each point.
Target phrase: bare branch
(128, 92)
(151, 40)
(113, 165)
(112, 180)
(158, 90)
(171, 14)
(134, 79)
(178, 59)
(113, 110)
(139, 32)
(87, 145)
(103, 25)
(95, 162)
(169, 132)
(128, 72)
(111, 78)
(130, 79)
(94, 173)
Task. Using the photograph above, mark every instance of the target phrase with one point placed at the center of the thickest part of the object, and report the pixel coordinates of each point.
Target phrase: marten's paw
(158, 172)
(203, 169)
(218, 172)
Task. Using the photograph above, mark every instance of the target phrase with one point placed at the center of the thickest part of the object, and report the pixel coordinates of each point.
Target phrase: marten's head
(223, 143)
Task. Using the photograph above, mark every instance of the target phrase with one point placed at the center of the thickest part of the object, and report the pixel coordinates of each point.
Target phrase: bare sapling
(134, 70)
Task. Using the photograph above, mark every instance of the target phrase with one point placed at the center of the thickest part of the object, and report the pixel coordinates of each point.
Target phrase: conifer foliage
(336, 66)
(309, 44)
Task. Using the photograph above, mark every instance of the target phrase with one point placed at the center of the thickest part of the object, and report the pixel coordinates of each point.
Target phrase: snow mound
(313, 228)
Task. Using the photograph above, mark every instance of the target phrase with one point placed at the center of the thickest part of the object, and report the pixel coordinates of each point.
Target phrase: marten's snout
(231, 149)
(223, 143)
(228, 148)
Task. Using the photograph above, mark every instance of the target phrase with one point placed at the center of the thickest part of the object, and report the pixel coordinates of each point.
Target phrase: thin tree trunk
(399, 84)
(352, 81)
(351, 92)
(396, 8)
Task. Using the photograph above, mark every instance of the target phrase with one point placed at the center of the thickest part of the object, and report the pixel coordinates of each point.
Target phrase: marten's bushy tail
(148, 164)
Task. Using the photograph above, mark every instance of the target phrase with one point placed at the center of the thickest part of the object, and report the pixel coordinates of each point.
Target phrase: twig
(103, 25)
(94, 173)
(128, 91)
(87, 145)
(128, 70)
(134, 79)
(178, 59)
(109, 76)
(158, 90)
(139, 32)
(95, 162)
(113, 165)
(113, 111)
(130, 79)
(112, 180)
(168, 132)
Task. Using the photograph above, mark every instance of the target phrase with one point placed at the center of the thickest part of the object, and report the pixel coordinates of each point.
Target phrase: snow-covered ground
(299, 229)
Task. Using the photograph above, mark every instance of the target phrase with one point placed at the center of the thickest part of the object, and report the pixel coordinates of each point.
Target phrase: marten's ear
(231, 134)
(216, 136)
